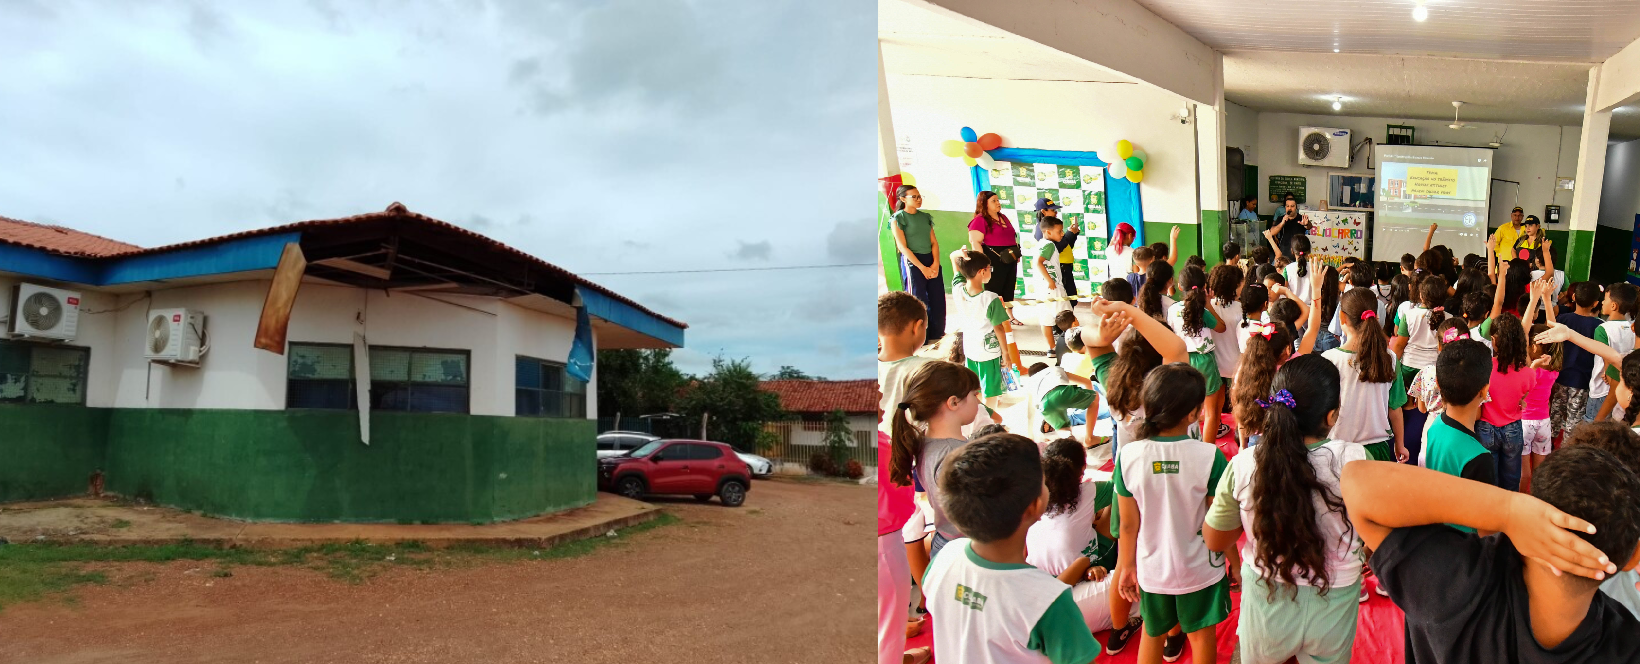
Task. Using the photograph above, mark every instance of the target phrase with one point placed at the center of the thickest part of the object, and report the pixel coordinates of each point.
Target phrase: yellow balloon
(968, 160)
(1124, 149)
(905, 178)
(1136, 176)
(952, 148)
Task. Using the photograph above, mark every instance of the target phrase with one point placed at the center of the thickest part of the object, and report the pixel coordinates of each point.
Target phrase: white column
(1210, 191)
(888, 159)
(1591, 173)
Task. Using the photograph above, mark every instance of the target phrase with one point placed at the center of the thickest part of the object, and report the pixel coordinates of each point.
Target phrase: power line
(731, 269)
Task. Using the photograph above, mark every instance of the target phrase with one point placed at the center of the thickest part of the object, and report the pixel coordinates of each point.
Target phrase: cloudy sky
(603, 136)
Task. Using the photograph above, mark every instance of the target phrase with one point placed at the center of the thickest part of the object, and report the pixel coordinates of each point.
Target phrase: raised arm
(1270, 236)
(1312, 327)
(1173, 246)
(1497, 301)
(1562, 333)
(1160, 336)
(1429, 237)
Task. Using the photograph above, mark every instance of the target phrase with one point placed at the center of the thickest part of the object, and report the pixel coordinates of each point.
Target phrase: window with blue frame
(42, 373)
(422, 380)
(546, 390)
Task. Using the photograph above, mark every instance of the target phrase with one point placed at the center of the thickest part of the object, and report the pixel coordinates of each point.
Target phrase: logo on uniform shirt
(967, 597)
(991, 341)
(1164, 467)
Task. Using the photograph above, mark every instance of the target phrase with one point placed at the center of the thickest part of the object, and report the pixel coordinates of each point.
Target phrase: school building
(425, 373)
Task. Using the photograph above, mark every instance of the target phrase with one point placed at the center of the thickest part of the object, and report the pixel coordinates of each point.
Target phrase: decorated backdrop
(1335, 235)
(1080, 191)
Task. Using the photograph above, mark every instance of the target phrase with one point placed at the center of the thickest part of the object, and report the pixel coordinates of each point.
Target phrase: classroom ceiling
(919, 42)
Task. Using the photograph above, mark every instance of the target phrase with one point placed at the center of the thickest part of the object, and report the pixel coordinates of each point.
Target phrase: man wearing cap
(1045, 207)
(1503, 239)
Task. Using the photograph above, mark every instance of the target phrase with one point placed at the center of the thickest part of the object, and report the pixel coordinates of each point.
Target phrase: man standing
(1247, 222)
(1065, 245)
(1503, 240)
(1289, 225)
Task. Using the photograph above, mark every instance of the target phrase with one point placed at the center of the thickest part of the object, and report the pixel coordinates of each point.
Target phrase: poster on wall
(1336, 235)
(1080, 192)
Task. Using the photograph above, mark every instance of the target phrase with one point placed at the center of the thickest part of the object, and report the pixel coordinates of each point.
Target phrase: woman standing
(919, 265)
(993, 234)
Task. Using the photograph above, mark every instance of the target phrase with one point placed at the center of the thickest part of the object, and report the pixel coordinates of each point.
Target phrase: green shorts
(1063, 398)
(1209, 368)
(1407, 374)
(1382, 450)
(990, 376)
(1191, 612)
(1313, 627)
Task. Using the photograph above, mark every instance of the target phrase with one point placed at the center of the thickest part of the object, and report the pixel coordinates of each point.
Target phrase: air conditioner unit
(1322, 146)
(175, 336)
(45, 313)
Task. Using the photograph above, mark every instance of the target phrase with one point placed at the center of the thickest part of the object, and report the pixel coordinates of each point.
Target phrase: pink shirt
(1537, 398)
(1508, 390)
(996, 235)
(894, 503)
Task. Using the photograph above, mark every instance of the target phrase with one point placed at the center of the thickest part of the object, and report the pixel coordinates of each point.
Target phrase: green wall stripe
(1214, 230)
(1189, 238)
(1579, 252)
(50, 451)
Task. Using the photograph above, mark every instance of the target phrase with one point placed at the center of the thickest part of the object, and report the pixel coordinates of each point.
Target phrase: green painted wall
(1610, 262)
(1189, 237)
(310, 466)
(48, 450)
(1579, 250)
(1215, 229)
(950, 228)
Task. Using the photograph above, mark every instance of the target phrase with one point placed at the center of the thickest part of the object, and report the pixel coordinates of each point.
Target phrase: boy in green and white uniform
(983, 321)
(1057, 391)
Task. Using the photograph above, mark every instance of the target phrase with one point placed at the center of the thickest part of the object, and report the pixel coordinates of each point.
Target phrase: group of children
(1488, 438)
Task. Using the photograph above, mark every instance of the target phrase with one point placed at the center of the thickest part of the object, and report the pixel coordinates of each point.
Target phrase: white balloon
(1141, 155)
(1118, 169)
(985, 160)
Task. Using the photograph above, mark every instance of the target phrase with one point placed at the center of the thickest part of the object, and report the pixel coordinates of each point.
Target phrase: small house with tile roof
(811, 401)
(383, 367)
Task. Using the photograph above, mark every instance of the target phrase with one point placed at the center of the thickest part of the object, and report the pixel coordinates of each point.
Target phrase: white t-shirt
(1299, 285)
(1121, 264)
(1337, 325)
(1413, 323)
(1619, 334)
(1245, 332)
(977, 318)
(1200, 342)
(987, 613)
(1054, 542)
(1343, 546)
(1037, 386)
(1227, 345)
(1171, 479)
(891, 379)
(1363, 411)
(1560, 280)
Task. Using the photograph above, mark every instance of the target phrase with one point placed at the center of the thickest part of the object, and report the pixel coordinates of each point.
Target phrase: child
(1047, 270)
(1618, 440)
(1569, 399)
(943, 397)
(1415, 329)
(1164, 484)
(1409, 266)
(1154, 298)
(1142, 258)
(1325, 296)
(1069, 542)
(1252, 303)
(1535, 427)
(1617, 332)
(1529, 595)
(1268, 347)
(901, 323)
(1301, 553)
(1121, 251)
(1057, 391)
(1230, 253)
(1426, 394)
(1223, 283)
(983, 320)
(1297, 273)
(1062, 323)
(1462, 372)
(1499, 428)
(1150, 345)
(989, 605)
(1373, 390)
(1397, 300)
(1195, 321)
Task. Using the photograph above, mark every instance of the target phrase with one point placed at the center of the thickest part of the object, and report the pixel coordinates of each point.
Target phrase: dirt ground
(789, 577)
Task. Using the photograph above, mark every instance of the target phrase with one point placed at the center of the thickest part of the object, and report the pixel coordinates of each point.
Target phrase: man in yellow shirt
(1503, 240)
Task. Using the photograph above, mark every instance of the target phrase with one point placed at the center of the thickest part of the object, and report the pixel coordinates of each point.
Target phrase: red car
(690, 467)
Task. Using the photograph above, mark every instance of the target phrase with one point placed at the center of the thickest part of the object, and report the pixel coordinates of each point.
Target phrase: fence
(798, 441)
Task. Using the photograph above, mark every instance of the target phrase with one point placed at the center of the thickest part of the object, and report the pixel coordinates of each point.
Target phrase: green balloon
(1134, 164)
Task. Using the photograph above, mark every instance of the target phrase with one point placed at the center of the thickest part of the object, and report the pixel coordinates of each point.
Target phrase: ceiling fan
(1456, 123)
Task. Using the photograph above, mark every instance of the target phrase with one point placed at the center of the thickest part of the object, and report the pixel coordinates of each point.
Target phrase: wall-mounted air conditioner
(175, 336)
(1323, 146)
(45, 313)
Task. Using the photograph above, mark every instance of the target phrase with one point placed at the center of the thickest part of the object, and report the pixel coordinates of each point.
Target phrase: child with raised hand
(1301, 554)
(1151, 344)
(939, 399)
(1528, 595)
(1224, 284)
(1535, 427)
(989, 605)
(1617, 332)
(1268, 347)
(1499, 428)
(1373, 390)
(1164, 484)
(1153, 298)
(1194, 319)
(1297, 273)
(983, 320)
(1569, 399)
(901, 323)
(1049, 274)
(1425, 393)
(1069, 542)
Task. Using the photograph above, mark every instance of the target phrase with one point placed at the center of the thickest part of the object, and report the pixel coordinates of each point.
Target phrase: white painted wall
(1620, 193)
(1531, 155)
(1241, 131)
(235, 375)
(1050, 116)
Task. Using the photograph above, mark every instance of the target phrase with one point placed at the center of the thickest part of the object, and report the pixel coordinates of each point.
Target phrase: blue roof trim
(629, 317)
(1062, 157)
(242, 255)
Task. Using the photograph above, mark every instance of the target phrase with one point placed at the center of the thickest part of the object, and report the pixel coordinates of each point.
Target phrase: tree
(736, 407)
(637, 382)
(839, 437)
(789, 372)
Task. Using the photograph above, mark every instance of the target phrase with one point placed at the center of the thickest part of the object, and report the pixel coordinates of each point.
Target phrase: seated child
(1055, 391)
(989, 605)
(1069, 542)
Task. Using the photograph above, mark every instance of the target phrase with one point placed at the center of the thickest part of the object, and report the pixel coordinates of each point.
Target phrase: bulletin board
(1336, 235)
(1080, 193)
(1281, 185)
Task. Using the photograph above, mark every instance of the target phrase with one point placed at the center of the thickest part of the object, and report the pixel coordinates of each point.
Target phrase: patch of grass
(30, 582)
(754, 510)
(122, 523)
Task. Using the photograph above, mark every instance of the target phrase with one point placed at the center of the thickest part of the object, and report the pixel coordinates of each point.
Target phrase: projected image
(1424, 185)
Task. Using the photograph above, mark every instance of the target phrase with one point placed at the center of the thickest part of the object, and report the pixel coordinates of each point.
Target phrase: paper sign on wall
(1080, 193)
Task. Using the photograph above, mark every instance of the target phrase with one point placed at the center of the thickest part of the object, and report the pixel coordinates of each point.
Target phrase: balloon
(905, 178)
(1133, 163)
(972, 150)
(1136, 176)
(986, 160)
(969, 160)
(1124, 149)
(1141, 155)
(968, 135)
(990, 142)
(951, 148)
(1118, 170)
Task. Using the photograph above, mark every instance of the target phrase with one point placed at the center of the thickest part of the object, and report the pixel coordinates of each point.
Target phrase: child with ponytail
(1415, 331)
(1224, 283)
(1499, 428)
(939, 399)
(1268, 347)
(1373, 390)
(1154, 298)
(1069, 541)
(1254, 300)
(1195, 321)
(1149, 345)
(1297, 273)
(1535, 427)
(1301, 554)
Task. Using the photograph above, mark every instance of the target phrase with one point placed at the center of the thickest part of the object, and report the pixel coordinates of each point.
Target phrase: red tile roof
(59, 240)
(824, 396)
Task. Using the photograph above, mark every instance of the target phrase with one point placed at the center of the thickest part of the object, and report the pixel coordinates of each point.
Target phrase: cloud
(752, 251)
(852, 241)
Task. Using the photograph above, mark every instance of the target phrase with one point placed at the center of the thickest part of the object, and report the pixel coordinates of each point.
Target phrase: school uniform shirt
(977, 318)
(1577, 364)
(1465, 601)
(1047, 253)
(1619, 334)
(1233, 508)
(1120, 263)
(1454, 449)
(1245, 330)
(1036, 387)
(1171, 479)
(891, 379)
(927, 474)
(1054, 542)
(1421, 341)
(1560, 280)
(1127, 426)
(1482, 333)
(1337, 325)
(1299, 285)
(1002, 613)
(1363, 413)
(1227, 345)
(1201, 342)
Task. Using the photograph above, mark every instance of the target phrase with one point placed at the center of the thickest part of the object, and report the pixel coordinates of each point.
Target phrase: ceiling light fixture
(1420, 13)
(1338, 103)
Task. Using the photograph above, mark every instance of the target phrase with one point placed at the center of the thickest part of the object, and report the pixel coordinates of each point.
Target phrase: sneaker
(1364, 596)
(1379, 587)
(1119, 637)
(1173, 648)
